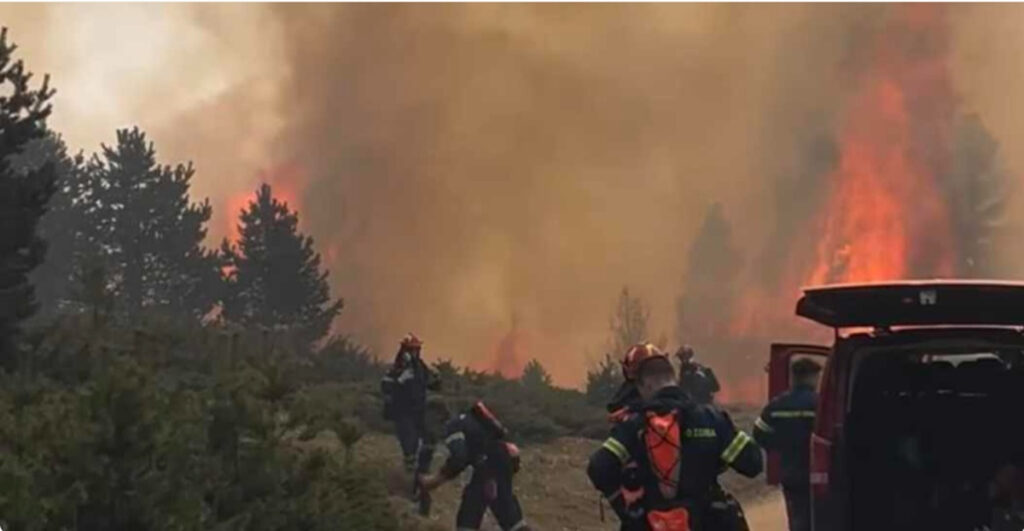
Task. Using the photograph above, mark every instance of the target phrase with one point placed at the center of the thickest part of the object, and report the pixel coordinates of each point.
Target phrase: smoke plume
(459, 165)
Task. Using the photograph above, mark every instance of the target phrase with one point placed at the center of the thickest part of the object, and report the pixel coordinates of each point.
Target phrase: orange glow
(509, 354)
(884, 216)
(286, 182)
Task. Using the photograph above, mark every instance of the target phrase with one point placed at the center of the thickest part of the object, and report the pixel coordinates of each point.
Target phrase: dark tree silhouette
(148, 233)
(23, 196)
(63, 226)
(275, 276)
(976, 188)
(535, 376)
(705, 307)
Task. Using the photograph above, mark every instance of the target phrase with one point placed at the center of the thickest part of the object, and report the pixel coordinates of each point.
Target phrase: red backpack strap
(663, 441)
(483, 414)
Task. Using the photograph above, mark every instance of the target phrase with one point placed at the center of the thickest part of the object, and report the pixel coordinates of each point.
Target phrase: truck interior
(928, 426)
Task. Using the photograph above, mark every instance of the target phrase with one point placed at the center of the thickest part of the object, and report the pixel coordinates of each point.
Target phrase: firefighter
(627, 396)
(679, 447)
(405, 396)
(785, 427)
(697, 380)
(477, 439)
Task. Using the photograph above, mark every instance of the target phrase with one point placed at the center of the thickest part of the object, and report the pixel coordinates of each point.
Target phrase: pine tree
(23, 197)
(603, 380)
(148, 232)
(976, 189)
(275, 274)
(535, 376)
(63, 226)
(704, 309)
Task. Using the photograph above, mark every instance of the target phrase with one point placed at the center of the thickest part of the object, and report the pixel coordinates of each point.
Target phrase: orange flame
(286, 181)
(886, 217)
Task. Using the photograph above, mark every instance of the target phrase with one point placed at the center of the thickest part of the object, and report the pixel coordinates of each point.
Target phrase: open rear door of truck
(782, 357)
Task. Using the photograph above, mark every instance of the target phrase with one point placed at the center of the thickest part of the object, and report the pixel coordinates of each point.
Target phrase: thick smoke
(460, 165)
(471, 162)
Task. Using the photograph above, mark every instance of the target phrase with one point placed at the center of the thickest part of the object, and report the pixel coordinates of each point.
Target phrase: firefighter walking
(475, 438)
(404, 388)
(679, 448)
(785, 427)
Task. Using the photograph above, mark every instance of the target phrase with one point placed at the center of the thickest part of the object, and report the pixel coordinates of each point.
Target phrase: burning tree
(274, 274)
(23, 196)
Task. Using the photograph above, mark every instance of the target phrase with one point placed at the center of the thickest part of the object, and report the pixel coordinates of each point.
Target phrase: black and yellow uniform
(680, 449)
(699, 382)
(476, 439)
(785, 426)
(405, 396)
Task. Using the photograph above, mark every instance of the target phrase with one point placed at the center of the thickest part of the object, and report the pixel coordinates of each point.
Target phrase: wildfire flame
(886, 217)
(286, 181)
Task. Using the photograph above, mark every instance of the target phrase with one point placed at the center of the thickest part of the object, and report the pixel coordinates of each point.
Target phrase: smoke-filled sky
(461, 166)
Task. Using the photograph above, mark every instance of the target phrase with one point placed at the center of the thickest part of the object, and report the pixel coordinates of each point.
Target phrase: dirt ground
(552, 487)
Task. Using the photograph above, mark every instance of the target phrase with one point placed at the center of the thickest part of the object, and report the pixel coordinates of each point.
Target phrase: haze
(464, 166)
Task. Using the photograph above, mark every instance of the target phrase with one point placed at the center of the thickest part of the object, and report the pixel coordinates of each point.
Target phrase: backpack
(662, 440)
(498, 434)
(490, 422)
(662, 437)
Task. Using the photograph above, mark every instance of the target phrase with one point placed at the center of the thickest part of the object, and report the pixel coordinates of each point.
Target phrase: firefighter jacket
(785, 427)
(680, 449)
(477, 440)
(699, 382)
(406, 382)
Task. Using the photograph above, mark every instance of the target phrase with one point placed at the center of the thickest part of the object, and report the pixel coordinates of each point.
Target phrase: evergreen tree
(705, 308)
(275, 275)
(63, 226)
(148, 233)
(535, 376)
(603, 381)
(23, 197)
(976, 189)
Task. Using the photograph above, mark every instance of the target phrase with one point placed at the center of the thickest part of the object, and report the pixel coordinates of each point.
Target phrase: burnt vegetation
(152, 382)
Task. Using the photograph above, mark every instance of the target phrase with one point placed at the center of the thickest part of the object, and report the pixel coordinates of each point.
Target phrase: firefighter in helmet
(404, 388)
(697, 380)
(679, 448)
(476, 438)
(785, 427)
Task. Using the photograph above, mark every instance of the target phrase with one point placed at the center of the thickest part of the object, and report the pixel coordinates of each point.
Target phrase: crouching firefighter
(477, 439)
(679, 448)
(404, 388)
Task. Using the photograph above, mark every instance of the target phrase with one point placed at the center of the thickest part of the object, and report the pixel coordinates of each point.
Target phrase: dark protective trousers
(490, 490)
(798, 507)
(410, 431)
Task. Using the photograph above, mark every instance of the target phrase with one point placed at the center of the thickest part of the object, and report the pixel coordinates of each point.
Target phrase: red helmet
(636, 356)
(411, 341)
